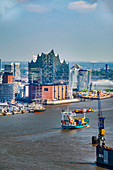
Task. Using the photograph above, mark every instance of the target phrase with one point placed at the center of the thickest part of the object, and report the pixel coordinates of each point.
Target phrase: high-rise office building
(79, 79)
(9, 68)
(13, 68)
(107, 67)
(73, 79)
(7, 77)
(84, 79)
(7, 87)
(17, 71)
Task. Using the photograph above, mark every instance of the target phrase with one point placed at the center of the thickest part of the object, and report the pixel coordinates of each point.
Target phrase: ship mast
(101, 139)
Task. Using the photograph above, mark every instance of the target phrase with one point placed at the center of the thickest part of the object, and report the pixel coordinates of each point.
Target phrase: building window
(45, 89)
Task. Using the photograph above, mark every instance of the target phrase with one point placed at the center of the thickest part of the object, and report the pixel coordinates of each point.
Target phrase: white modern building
(79, 79)
(73, 79)
(84, 79)
(17, 71)
(102, 85)
(22, 90)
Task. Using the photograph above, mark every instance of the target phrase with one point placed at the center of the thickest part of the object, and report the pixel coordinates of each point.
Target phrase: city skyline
(79, 30)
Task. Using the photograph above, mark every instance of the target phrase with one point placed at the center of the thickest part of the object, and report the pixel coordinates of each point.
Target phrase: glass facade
(84, 79)
(47, 69)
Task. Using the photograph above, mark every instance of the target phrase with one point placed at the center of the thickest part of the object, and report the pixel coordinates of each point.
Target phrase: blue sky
(77, 30)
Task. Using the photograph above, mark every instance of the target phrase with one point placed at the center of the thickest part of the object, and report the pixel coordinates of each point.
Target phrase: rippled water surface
(36, 141)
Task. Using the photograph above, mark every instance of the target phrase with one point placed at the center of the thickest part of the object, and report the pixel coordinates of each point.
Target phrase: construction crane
(101, 138)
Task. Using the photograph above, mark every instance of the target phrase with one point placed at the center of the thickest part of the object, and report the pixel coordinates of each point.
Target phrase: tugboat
(82, 110)
(39, 108)
(104, 154)
(69, 121)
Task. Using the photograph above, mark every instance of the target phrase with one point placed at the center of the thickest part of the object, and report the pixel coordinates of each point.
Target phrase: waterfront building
(47, 69)
(102, 84)
(55, 92)
(34, 71)
(35, 91)
(22, 90)
(73, 79)
(79, 79)
(84, 79)
(48, 92)
(7, 92)
(26, 90)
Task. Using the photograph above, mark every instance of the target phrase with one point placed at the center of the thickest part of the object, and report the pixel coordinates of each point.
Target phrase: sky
(77, 30)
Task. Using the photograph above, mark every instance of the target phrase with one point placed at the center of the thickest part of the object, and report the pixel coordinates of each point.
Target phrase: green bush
(75, 96)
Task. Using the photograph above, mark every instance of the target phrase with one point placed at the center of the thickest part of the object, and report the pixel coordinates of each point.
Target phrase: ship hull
(39, 111)
(104, 156)
(74, 126)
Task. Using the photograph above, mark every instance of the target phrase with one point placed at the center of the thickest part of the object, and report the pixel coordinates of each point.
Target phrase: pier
(56, 102)
(94, 97)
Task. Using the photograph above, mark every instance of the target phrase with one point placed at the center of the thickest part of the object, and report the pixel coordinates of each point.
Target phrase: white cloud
(35, 8)
(82, 6)
(5, 5)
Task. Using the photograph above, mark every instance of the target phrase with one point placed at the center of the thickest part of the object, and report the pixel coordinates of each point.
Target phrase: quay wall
(62, 101)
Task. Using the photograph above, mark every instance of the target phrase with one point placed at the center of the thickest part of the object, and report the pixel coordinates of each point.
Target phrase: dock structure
(92, 97)
(55, 102)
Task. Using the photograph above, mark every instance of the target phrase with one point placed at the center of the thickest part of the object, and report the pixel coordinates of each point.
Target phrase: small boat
(89, 110)
(39, 108)
(35, 108)
(70, 121)
(82, 110)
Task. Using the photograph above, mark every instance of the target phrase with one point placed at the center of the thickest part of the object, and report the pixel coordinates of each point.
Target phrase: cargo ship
(70, 121)
(104, 154)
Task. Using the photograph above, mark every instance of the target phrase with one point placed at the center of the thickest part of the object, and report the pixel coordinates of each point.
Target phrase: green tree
(75, 96)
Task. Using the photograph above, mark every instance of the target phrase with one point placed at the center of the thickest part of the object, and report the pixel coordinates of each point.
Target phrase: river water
(36, 141)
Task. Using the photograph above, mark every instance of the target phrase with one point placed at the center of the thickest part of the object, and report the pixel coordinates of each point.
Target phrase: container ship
(104, 154)
(70, 121)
